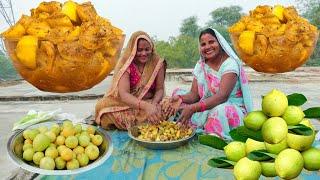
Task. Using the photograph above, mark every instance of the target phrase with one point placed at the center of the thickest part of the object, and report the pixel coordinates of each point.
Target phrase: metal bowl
(15, 151)
(133, 133)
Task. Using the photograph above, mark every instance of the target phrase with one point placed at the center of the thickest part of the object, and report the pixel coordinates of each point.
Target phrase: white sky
(160, 18)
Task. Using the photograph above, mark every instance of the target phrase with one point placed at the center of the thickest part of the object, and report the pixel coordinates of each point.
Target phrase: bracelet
(139, 102)
(194, 107)
(203, 106)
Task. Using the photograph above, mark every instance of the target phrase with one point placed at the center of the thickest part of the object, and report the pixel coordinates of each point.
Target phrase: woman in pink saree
(137, 87)
(219, 97)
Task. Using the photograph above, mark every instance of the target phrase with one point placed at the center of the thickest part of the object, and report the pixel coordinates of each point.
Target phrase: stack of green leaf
(276, 141)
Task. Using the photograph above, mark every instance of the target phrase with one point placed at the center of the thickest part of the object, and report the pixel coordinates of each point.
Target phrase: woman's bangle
(194, 108)
(203, 106)
(139, 103)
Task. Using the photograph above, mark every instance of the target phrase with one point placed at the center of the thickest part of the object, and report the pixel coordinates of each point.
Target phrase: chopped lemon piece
(246, 41)
(27, 50)
(15, 31)
(278, 11)
(69, 8)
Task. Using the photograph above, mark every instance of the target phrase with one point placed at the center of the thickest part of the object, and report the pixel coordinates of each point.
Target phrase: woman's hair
(207, 31)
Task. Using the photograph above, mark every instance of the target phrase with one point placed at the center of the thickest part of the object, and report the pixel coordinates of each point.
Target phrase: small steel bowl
(133, 133)
(15, 151)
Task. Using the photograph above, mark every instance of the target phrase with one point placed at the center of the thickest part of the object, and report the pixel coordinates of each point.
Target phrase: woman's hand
(170, 106)
(153, 112)
(187, 112)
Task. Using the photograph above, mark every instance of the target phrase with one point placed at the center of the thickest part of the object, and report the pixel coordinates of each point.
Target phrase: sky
(159, 18)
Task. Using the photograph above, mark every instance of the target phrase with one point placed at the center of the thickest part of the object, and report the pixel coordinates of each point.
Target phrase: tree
(7, 70)
(190, 27)
(179, 52)
(310, 9)
(225, 16)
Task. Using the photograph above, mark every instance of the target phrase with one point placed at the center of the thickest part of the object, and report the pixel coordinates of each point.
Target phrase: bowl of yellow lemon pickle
(274, 39)
(59, 147)
(165, 135)
(63, 47)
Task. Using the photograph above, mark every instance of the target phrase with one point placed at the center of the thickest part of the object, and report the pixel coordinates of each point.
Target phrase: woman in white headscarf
(219, 97)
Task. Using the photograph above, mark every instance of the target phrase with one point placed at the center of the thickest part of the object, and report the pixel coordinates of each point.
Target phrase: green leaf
(221, 162)
(212, 141)
(301, 129)
(242, 133)
(261, 155)
(313, 112)
(296, 99)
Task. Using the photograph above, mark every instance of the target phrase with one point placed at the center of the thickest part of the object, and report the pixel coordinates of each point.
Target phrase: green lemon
(268, 169)
(235, 150)
(47, 163)
(311, 159)
(247, 169)
(274, 130)
(289, 163)
(274, 103)
(254, 120)
(293, 115)
(41, 142)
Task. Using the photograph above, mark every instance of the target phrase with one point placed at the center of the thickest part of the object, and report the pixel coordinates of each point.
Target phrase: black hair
(207, 31)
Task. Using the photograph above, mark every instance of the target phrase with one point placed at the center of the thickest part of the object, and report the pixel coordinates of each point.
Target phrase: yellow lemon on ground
(268, 169)
(247, 169)
(235, 151)
(311, 159)
(254, 120)
(293, 115)
(289, 164)
(274, 103)
(274, 130)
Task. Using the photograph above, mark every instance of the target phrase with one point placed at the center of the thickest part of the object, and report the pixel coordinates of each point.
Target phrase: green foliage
(311, 10)
(190, 27)
(179, 52)
(7, 70)
(225, 16)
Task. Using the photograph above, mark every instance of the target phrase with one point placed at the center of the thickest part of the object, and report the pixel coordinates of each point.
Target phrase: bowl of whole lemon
(63, 47)
(59, 148)
(274, 39)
